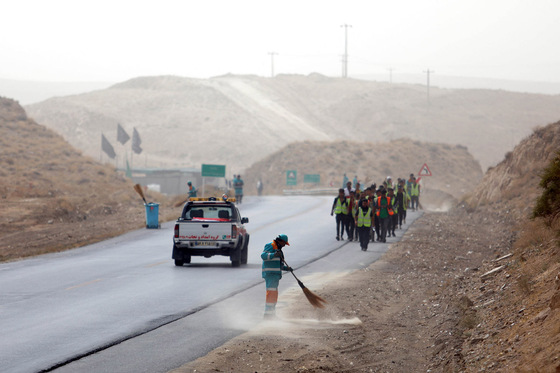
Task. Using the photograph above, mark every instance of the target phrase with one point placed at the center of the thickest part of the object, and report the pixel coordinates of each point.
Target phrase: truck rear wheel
(178, 263)
(245, 250)
(235, 256)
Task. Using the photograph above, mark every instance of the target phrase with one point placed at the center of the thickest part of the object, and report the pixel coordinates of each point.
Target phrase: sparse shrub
(468, 318)
(524, 284)
(535, 235)
(509, 155)
(65, 205)
(468, 321)
(548, 204)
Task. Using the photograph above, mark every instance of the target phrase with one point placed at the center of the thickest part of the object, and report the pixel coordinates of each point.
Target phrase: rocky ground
(425, 306)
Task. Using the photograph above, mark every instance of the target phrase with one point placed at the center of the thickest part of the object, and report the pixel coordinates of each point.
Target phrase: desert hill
(454, 170)
(530, 308)
(238, 120)
(53, 197)
(514, 182)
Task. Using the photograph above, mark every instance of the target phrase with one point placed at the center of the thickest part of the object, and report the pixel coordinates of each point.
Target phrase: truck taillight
(234, 231)
(176, 230)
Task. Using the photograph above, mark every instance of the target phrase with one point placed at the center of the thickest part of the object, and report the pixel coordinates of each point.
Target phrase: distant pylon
(345, 57)
(428, 72)
(272, 63)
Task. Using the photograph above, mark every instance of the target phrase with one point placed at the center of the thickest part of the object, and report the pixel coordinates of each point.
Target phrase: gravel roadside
(407, 312)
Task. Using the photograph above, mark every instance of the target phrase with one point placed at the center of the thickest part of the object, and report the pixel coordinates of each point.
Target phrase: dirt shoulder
(413, 308)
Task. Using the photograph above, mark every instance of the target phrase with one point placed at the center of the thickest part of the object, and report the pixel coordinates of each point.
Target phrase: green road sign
(291, 177)
(312, 178)
(213, 170)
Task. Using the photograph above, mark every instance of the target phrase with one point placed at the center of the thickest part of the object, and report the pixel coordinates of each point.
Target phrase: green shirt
(383, 213)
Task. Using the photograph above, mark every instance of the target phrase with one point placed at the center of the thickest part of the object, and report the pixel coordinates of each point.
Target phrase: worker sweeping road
(272, 267)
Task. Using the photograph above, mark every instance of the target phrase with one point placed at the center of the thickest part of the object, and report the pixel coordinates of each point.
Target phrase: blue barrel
(152, 215)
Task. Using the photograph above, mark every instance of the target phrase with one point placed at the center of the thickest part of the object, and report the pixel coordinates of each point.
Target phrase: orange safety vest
(389, 207)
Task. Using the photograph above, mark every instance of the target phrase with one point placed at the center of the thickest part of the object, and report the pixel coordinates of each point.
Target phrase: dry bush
(524, 284)
(536, 235)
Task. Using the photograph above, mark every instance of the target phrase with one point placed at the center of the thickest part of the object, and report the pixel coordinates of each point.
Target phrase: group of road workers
(362, 214)
(374, 211)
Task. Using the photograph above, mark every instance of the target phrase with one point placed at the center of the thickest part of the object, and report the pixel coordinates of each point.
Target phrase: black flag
(122, 136)
(136, 142)
(107, 147)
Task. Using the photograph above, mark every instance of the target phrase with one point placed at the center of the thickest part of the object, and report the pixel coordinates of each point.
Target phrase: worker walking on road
(364, 219)
(340, 209)
(384, 213)
(272, 267)
(414, 194)
(192, 189)
(238, 186)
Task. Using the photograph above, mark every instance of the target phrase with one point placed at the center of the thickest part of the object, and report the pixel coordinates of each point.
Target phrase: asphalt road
(122, 306)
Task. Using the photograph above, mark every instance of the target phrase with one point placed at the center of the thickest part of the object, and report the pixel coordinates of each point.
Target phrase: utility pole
(272, 63)
(345, 57)
(390, 74)
(428, 72)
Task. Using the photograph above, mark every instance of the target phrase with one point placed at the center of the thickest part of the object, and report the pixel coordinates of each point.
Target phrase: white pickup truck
(209, 227)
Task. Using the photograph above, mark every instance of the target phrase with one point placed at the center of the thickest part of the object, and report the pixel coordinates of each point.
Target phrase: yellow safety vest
(341, 208)
(414, 190)
(364, 220)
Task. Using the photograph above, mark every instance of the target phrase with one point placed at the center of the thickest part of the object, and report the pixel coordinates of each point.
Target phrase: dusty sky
(102, 40)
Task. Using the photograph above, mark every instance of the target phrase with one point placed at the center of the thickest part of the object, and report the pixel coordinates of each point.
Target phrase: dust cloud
(239, 314)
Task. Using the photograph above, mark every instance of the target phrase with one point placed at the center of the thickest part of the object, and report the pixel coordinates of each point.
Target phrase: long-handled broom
(315, 300)
(181, 203)
(138, 189)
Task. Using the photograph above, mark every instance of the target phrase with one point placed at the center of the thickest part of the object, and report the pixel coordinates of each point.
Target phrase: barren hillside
(515, 180)
(454, 170)
(519, 306)
(238, 120)
(53, 197)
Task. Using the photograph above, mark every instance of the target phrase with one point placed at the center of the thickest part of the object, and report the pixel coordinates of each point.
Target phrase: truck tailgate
(205, 231)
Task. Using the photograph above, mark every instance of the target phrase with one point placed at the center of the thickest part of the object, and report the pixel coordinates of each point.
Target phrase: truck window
(210, 212)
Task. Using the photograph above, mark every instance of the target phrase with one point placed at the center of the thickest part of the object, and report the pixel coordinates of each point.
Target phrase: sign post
(312, 178)
(291, 177)
(424, 171)
(211, 170)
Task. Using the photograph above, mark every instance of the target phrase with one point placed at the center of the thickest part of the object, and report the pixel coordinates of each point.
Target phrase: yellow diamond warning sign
(425, 171)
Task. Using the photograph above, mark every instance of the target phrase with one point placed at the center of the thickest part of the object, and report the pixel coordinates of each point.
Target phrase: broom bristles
(138, 189)
(181, 203)
(315, 300)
